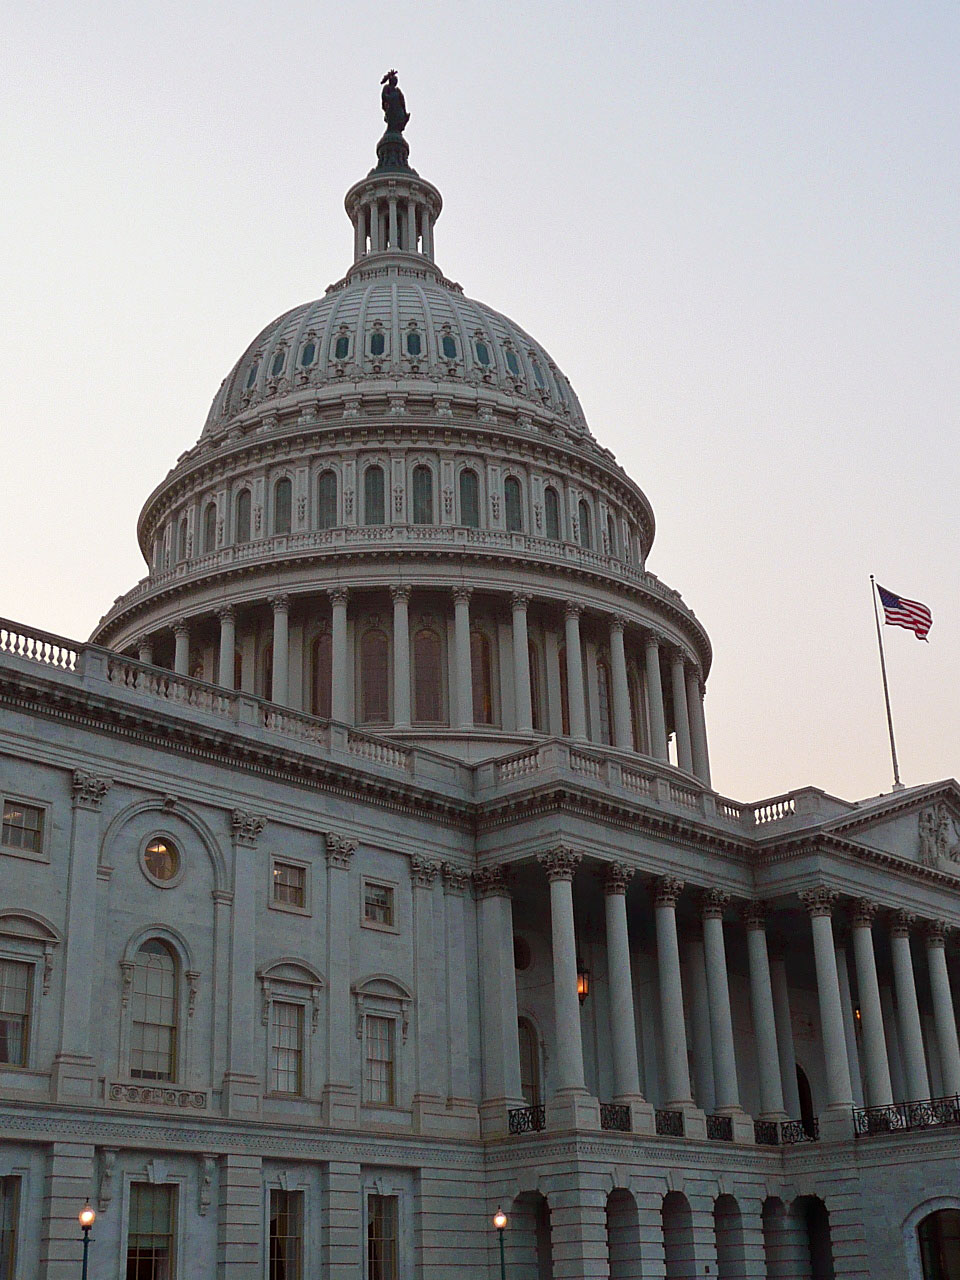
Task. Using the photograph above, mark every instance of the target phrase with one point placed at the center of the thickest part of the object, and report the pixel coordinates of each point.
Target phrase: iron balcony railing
(720, 1128)
(901, 1117)
(785, 1133)
(527, 1119)
(669, 1124)
(615, 1116)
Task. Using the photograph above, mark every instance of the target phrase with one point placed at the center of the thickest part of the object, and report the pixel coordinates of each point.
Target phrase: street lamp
(86, 1218)
(500, 1222)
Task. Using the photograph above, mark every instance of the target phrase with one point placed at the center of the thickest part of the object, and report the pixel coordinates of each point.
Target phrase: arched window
(154, 1013)
(483, 352)
(252, 375)
(551, 506)
(564, 692)
(374, 678)
(586, 524)
(603, 702)
(611, 534)
(481, 667)
(536, 699)
(266, 673)
(374, 507)
(529, 1063)
(513, 504)
(277, 367)
(422, 495)
(341, 348)
(448, 345)
(282, 506)
(427, 677)
(378, 343)
(242, 525)
(513, 364)
(327, 500)
(321, 674)
(209, 528)
(939, 1237)
(413, 343)
(182, 539)
(308, 354)
(469, 499)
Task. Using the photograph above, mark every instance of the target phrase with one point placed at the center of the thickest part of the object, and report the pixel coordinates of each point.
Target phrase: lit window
(378, 1077)
(378, 343)
(242, 533)
(277, 367)
(469, 499)
(22, 826)
(15, 987)
(551, 503)
(448, 346)
(151, 1251)
(289, 884)
(603, 699)
(481, 665)
(586, 525)
(513, 504)
(153, 1042)
(378, 903)
(9, 1210)
(327, 500)
(413, 343)
(422, 495)
(341, 348)
(513, 364)
(286, 1234)
(483, 352)
(322, 670)
(286, 1047)
(209, 528)
(382, 1242)
(374, 507)
(374, 678)
(426, 677)
(282, 506)
(162, 859)
(252, 374)
(308, 354)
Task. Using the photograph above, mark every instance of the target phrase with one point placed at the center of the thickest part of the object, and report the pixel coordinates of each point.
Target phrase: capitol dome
(396, 518)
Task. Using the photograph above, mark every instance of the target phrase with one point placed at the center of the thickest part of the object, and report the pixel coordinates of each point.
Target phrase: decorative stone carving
(227, 613)
(492, 881)
(340, 849)
(712, 903)
(126, 982)
(108, 1160)
(246, 827)
(934, 843)
(560, 863)
(666, 891)
(339, 595)
(901, 923)
(754, 915)
(461, 595)
(616, 877)
(819, 900)
(572, 610)
(89, 790)
(189, 1099)
(280, 603)
(181, 627)
(862, 913)
(193, 980)
(401, 591)
(208, 1165)
(618, 623)
(423, 872)
(520, 600)
(455, 879)
(936, 932)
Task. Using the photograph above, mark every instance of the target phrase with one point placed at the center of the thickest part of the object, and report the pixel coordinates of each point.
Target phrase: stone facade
(325, 990)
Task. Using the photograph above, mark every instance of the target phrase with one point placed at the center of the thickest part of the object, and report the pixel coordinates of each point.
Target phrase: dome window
(586, 525)
(282, 505)
(373, 496)
(513, 364)
(483, 352)
(375, 678)
(242, 518)
(551, 506)
(427, 679)
(448, 346)
(538, 375)
(278, 362)
(422, 495)
(308, 354)
(513, 504)
(378, 343)
(252, 374)
(469, 499)
(341, 348)
(210, 528)
(413, 343)
(327, 500)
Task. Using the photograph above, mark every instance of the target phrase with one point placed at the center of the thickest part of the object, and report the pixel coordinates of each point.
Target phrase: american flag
(900, 612)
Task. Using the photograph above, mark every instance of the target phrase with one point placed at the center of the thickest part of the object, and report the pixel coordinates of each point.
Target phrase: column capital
(666, 891)
(339, 849)
(754, 915)
(401, 591)
(181, 627)
(901, 922)
(520, 599)
(560, 862)
(616, 878)
(455, 879)
(492, 881)
(423, 872)
(712, 903)
(246, 827)
(618, 623)
(936, 932)
(89, 790)
(862, 913)
(280, 603)
(227, 613)
(572, 610)
(339, 595)
(461, 595)
(652, 640)
(818, 900)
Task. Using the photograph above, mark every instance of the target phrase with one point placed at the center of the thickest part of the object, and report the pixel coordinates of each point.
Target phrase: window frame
(18, 1177)
(187, 983)
(421, 467)
(551, 487)
(181, 870)
(288, 907)
(323, 634)
(275, 506)
(367, 522)
(321, 474)
(512, 480)
(237, 540)
(30, 1012)
(383, 996)
(362, 719)
(285, 1184)
(461, 473)
(379, 882)
(291, 980)
(421, 627)
(13, 851)
(148, 1177)
(209, 544)
(371, 1193)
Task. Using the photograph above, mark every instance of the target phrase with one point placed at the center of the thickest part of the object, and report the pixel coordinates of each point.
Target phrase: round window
(161, 860)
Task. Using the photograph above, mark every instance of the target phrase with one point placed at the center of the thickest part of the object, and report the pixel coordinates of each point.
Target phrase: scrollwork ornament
(455, 879)
(246, 827)
(340, 849)
(208, 1165)
(492, 881)
(862, 913)
(423, 872)
(616, 878)
(901, 922)
(818, 900)
(754, 915)
(560, 862)
(713, 903)
(936, 933)
(89, 790)
(667, 890)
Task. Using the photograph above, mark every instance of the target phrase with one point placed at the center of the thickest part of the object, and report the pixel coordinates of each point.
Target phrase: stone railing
(38, 646)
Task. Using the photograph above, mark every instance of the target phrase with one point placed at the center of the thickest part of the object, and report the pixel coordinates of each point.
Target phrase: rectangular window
(9, 1208)
(289, 884)
(151, 1245)
(15, 984)
(22, 826)
(286, 1235)
(378, 903)
(382, 1251)
(379, 1074)
(153, 1040)
(286, 1055)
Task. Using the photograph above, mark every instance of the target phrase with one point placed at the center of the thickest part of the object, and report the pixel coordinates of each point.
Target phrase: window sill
(377, 927)
(289, 909)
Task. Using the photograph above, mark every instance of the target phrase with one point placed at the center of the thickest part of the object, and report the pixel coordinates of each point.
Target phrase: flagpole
(897, 784)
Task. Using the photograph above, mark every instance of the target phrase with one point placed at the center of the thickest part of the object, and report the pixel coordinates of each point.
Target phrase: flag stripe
(900, 612)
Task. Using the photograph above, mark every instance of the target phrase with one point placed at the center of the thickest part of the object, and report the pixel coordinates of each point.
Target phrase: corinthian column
(674, 1033)
(718, 991)
(879, 1090)
(575, 695)
(943, 1009)
(521, 664)
(908, 1010)
(681, 716)
(622, 726)
(228, 646)
(623, 1029)
(819, 903)
(401, 656)
(499, 1038)
(764, 1017)
(338, 664)
(658, 727)
(560, 865)
(181, 651)
(698, 727)
(281, 648)
(463, 700)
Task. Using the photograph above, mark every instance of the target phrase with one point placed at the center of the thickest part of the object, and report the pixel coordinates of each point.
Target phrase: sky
(735, 227)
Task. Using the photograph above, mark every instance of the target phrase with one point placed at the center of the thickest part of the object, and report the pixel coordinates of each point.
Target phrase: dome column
(411, 245)
(698, 726)
(281, 648)
(575, 692)
(521, 664)
(622, 726)
(338, 636)
(393, 225)
(181, 653)
(145, 653)
(375, 245)
(228, 645)
(401, 656)
(463, 701)
(658, 726)
(681, 715)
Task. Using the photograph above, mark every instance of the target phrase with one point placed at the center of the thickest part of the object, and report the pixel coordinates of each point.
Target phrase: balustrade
(901, 1117)
(38, 646)
(668, 1124)
(720, 1128)
(527, 1119)
(785, 1133)
(615, 1117)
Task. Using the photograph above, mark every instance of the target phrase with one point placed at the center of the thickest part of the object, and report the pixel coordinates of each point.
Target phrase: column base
(240, 1095)
(74, 1078)
(341, 1107)
(741, 1123)
(573, 1109)
(449, 1116)
(494, 1116)
(836, 1124)
(642, 1113)
(694, 1120)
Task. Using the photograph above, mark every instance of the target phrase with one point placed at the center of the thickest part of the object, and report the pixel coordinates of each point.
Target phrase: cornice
(790, 849)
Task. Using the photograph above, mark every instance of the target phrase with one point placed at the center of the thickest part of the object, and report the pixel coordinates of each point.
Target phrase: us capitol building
(363, 873)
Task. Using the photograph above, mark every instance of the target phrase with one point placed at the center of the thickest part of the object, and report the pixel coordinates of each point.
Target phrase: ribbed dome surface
(396, 330)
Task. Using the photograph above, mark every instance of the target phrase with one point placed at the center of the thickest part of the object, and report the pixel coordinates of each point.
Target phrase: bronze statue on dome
(394, 108)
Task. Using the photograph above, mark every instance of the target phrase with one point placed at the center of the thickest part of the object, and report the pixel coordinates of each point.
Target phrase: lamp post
(500, 1222)
(86, 1218)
